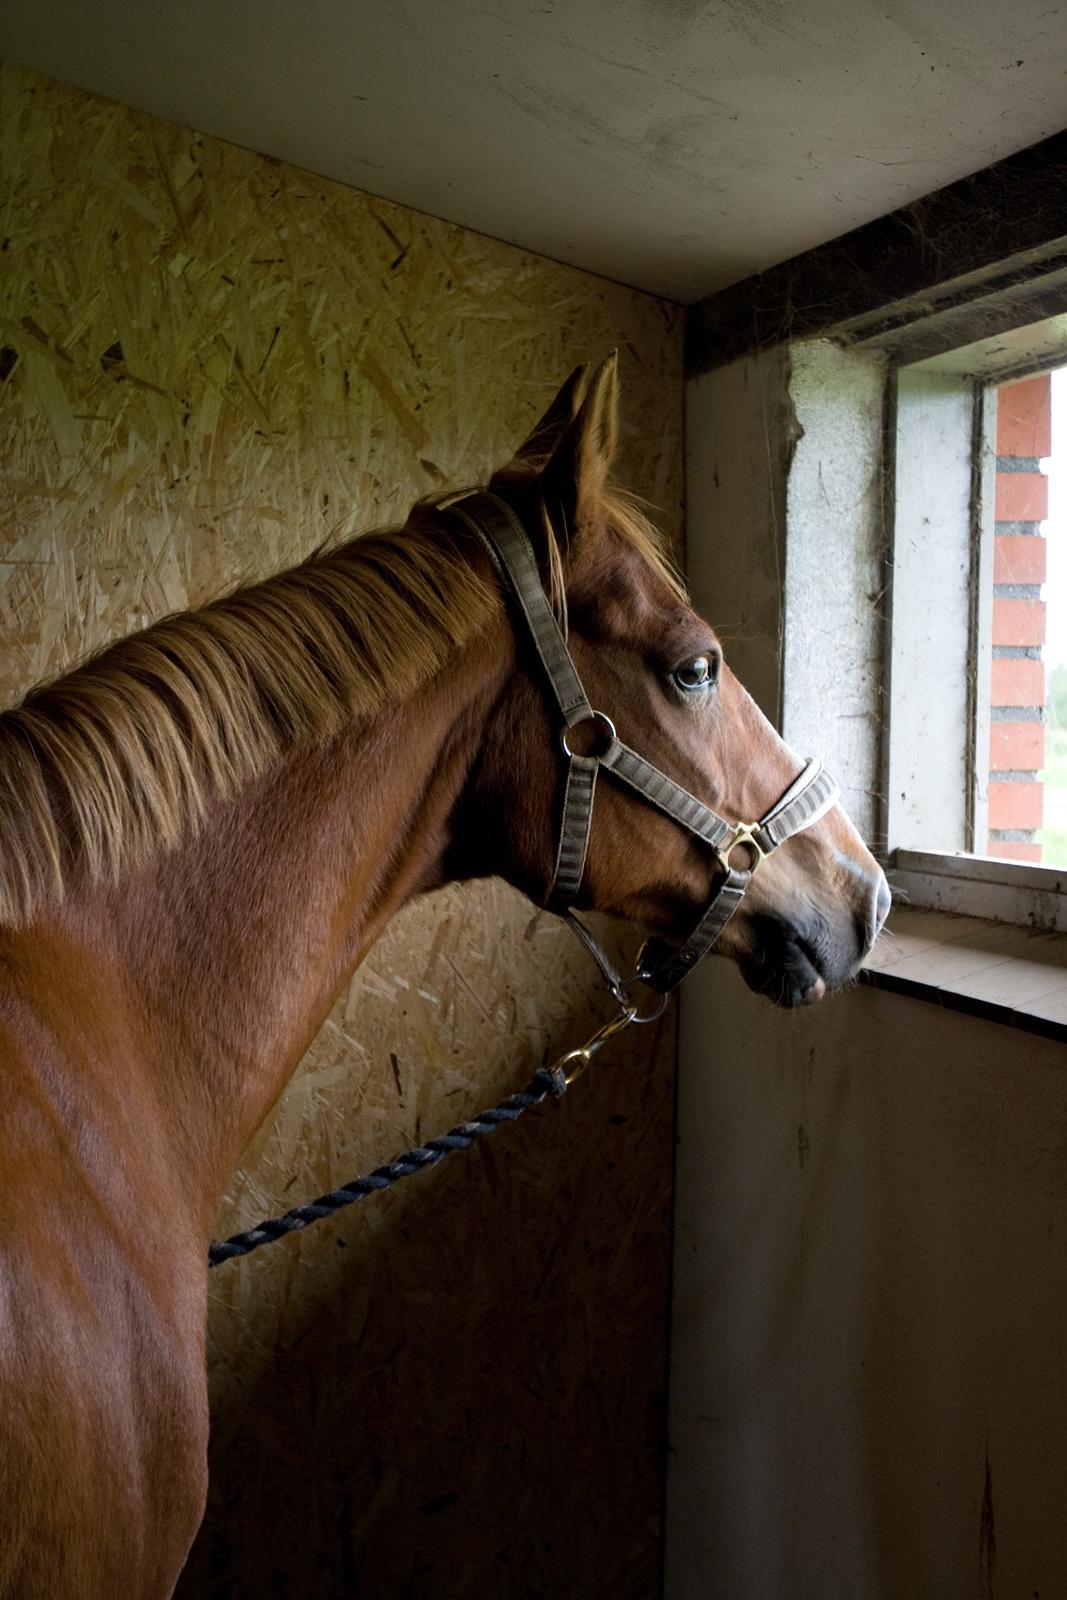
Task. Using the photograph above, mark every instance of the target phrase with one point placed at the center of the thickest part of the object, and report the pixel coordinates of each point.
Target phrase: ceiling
(677, 145)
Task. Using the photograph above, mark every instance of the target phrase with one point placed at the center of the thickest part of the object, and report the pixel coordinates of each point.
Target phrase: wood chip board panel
(211, 362)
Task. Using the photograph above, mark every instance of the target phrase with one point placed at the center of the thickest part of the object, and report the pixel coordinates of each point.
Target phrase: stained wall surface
(211, 362)
(868, 1395)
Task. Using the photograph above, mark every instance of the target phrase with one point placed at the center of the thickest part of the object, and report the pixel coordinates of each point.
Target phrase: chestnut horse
(203, 830)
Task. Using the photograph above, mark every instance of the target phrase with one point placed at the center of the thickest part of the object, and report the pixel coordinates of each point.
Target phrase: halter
(660, 966)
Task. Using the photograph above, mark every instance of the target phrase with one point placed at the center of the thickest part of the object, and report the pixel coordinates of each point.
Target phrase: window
(977, 741)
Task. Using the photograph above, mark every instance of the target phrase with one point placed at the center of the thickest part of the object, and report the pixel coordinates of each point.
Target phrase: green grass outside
(1053, 836)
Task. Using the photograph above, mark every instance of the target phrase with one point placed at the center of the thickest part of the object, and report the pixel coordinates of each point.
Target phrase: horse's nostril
(882, 903)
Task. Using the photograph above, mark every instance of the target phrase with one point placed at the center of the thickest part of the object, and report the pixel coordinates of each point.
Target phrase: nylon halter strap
(660, 966)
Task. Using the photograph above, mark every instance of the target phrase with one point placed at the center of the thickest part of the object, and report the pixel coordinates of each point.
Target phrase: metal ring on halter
(656, 1013)
(594, 716)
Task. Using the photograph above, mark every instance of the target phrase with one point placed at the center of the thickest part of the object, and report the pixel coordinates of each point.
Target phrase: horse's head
(656, 668)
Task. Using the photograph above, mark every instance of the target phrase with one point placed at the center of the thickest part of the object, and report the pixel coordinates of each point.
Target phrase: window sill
(982, 887)
(995, 970)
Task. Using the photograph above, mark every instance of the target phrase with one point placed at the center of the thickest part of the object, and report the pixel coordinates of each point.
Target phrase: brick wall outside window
(1017, 697)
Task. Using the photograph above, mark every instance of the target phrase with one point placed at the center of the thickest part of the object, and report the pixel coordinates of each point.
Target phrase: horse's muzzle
(795, 962)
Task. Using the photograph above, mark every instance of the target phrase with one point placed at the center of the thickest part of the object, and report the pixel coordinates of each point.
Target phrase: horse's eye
(700, 673)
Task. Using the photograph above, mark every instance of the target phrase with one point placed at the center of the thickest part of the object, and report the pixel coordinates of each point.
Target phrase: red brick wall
(1017, 698)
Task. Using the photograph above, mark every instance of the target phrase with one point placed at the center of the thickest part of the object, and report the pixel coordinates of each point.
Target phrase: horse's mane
(121, 756)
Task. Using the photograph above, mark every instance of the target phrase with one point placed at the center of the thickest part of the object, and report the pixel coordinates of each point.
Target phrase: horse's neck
(235, 945)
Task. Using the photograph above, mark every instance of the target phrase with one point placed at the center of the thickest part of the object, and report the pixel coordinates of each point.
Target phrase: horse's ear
(545, 437)
(574, 479)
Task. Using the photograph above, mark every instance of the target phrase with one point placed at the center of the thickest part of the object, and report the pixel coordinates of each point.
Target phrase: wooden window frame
(938, 727)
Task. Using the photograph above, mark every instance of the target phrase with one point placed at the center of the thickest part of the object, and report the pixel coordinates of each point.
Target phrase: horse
(202, 831)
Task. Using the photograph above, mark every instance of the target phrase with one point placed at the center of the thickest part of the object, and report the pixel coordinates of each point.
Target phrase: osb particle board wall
(211, 363)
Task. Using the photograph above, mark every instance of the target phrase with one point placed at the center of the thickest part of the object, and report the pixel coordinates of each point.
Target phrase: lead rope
(547, 1082)
(660, 966)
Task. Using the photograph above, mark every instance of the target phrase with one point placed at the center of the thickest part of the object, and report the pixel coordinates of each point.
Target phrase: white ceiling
(678, 145)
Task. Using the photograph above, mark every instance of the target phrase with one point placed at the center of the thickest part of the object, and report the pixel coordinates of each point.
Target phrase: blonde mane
(121, 757)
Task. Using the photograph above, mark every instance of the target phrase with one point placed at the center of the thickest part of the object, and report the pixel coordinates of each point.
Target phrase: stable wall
(211, 362)
(868, 1387)
(868, 1397)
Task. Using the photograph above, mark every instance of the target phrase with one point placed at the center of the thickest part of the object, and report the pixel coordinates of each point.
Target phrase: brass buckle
(742, 833)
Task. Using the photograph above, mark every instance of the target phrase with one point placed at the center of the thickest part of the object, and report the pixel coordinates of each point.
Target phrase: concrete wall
(934, 572)
(835, 571)
(795, 439)
(740, 437)
(868, 1395)
(869, 1392)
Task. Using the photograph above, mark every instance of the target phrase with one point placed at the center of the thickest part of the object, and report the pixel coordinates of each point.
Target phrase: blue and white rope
(547, 1082)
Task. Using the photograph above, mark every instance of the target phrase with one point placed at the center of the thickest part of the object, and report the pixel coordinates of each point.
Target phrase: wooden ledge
(988, 969)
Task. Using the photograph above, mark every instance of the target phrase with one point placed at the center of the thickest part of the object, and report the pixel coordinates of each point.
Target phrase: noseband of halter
(660, 965)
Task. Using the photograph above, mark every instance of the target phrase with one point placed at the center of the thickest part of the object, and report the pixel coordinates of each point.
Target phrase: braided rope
(546, 1082)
